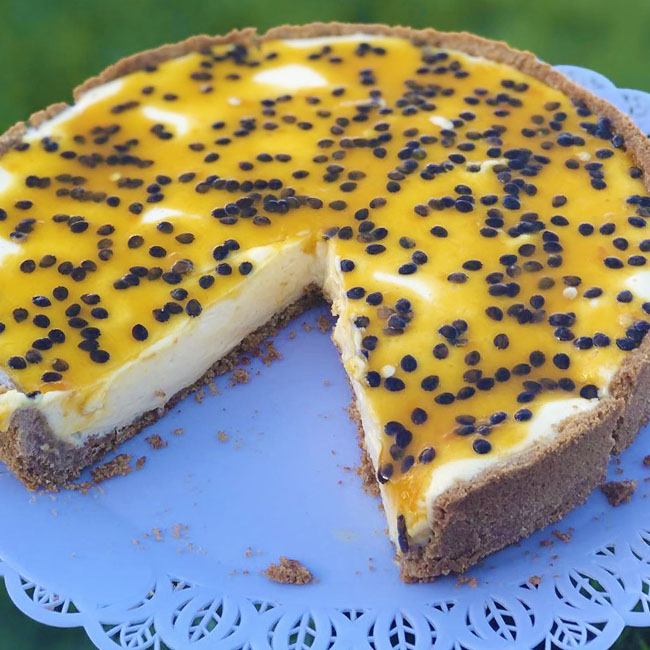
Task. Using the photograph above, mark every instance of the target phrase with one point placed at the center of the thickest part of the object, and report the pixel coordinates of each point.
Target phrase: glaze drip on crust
(482, 238)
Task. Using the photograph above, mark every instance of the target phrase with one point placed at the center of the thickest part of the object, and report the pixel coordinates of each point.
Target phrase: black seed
(594, 292)
(441, 351)
(613, 263)
(193, 307)
(373, 378)
(99, 356)
(375, 249)
(408, 363)
(502, 374)
(561, 361)
(498, 417)
(601, 340)
(17, 363)
(355, 293)
(418, 416)
(20, 314)
(589, 392)
(501, 341)
(465, 392)
(178, 294)
(481, 446)
(444, 398)
(494, 313)
(430, 383)
(522, 415)
(537, 358)
(626, 344)
(394, 384)
(139, 332)
(385, 472)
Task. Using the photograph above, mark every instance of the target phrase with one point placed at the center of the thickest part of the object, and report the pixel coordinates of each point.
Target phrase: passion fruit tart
(478, 223)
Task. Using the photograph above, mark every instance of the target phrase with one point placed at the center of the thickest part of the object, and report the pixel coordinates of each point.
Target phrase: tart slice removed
(477, 222)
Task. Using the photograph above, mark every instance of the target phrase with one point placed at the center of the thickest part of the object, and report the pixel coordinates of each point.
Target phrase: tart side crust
(471, 520)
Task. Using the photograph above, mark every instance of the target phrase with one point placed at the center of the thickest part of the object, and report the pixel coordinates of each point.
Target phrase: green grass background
(49, 46)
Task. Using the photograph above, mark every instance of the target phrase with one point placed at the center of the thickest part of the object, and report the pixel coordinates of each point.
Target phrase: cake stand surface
(171, 556)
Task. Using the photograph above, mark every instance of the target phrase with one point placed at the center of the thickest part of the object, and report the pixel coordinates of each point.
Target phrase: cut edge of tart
(472, 515)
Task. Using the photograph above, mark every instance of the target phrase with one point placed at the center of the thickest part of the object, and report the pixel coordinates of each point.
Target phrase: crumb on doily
(156, 441)
(139, 464)
(535, 580)
(646, 461)
(223, 436)
(618, 492)
(288, 572)
(119, 466)
(178, 432)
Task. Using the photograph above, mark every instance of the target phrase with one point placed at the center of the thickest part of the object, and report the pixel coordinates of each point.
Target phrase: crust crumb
(250, 552)
(565, 537)
(646, 461)
(178, 432)
(535, 580)
(139, 464)
(324, 324)
(223, 436)
(179, 530)
(307, 327)
(239, 376)
(156, 441)
(467, 580)
(618, 492)
(119, 466)
(288, 572)
(272, 353)
(82, 487)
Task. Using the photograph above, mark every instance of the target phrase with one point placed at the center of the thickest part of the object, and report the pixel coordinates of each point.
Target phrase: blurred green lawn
(49, 46)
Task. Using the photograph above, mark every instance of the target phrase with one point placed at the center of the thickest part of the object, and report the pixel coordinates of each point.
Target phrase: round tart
(477, 222)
